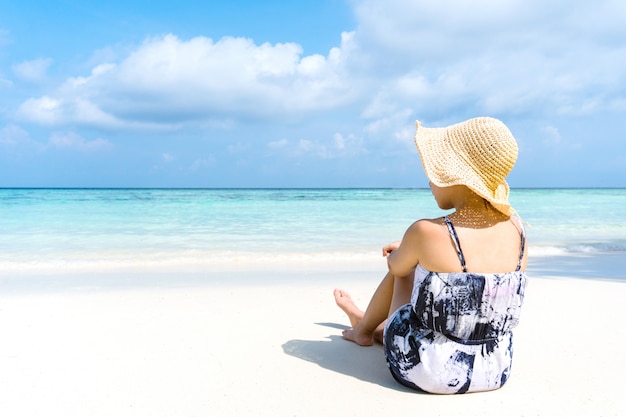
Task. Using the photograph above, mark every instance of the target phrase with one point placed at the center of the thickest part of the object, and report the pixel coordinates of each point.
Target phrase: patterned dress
(456, 334)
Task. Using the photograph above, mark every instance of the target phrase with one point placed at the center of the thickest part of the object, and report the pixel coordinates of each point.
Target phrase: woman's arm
(402, 258)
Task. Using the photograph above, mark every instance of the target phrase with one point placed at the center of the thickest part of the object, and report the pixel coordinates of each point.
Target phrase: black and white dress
(456, 334)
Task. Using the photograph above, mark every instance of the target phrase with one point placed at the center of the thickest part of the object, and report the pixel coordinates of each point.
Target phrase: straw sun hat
(478, 153)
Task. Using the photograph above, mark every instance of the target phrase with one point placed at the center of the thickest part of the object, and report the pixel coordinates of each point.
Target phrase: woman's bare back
(488, 248)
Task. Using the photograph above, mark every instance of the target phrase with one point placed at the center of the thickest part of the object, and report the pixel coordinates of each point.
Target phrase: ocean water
(108, 229)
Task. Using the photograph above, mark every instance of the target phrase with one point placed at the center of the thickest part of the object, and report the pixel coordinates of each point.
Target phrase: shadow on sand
(597, 266)
(338, 355)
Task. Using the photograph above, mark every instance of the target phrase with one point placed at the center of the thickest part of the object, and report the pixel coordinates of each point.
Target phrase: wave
(578, 248)
(215, 261)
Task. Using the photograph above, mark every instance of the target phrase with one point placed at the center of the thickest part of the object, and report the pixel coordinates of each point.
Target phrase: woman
(455, 286)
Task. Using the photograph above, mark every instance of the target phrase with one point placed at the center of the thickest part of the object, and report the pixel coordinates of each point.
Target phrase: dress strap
(457, 244)
(522, 234)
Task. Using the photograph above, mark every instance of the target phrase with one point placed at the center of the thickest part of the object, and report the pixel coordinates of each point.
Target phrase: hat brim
(444, 166)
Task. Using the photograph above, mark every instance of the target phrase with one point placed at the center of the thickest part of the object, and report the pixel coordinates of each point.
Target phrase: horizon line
(293, 188)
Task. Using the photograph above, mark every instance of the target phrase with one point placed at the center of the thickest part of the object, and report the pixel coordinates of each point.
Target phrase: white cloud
(303, 148)
(17, 142)
(13, 135)
(32, 71)
(340, 141)
(392, 119)
(340, 145)
(167, 81)
(405, 60)
(554, 139)
(553, 136)
(493, 57)
(44, 110)
(349, 144)
(278, 143)
(71, 140)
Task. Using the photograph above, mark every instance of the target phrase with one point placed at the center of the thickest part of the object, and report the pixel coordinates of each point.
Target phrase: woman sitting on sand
(445, 310)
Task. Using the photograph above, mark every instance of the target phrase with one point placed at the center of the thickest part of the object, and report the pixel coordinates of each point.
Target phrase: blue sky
(304, 94)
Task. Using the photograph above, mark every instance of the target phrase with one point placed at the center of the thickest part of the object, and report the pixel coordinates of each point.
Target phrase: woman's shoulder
(427, 226)
(426, 231)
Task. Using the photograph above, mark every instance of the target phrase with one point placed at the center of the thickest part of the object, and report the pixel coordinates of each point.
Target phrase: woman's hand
(390, 248)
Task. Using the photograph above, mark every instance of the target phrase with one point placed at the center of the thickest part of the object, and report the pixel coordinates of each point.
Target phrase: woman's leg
(367, 326)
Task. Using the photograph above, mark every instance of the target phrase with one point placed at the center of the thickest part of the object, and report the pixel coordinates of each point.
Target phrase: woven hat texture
(478, 153)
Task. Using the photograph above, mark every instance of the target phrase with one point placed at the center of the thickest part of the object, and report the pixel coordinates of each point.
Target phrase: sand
(269, 344)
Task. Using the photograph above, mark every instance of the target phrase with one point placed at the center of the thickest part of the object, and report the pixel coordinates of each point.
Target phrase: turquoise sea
(43, 230)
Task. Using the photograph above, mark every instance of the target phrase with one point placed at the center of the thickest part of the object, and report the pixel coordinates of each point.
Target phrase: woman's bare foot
(356, 336)
(344, 301)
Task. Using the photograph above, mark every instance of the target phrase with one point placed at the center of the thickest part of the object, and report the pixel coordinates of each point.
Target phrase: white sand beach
(269, 344)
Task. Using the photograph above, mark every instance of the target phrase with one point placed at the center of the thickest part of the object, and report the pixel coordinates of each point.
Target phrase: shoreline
(595, 266)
